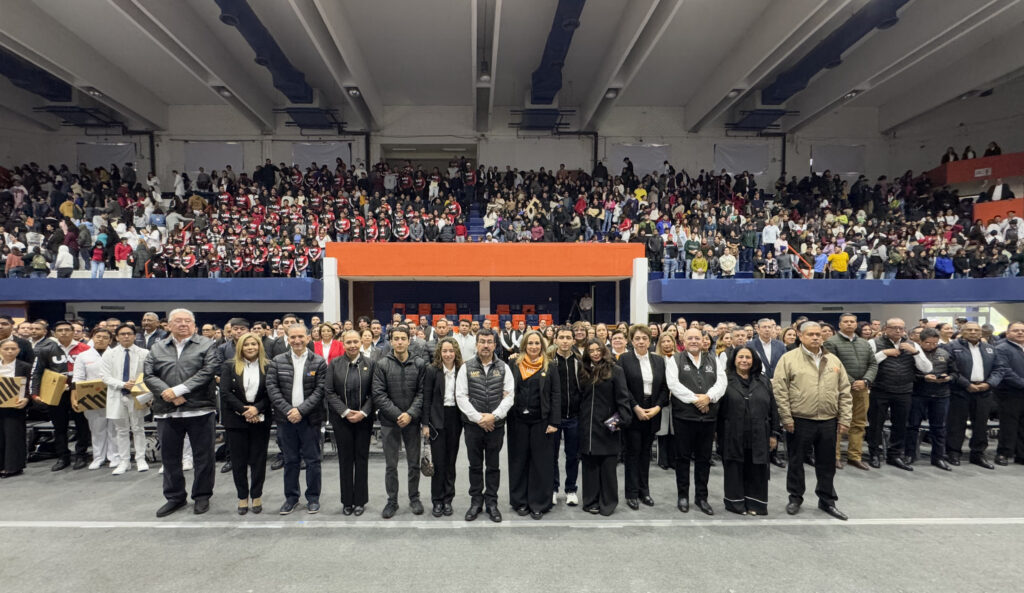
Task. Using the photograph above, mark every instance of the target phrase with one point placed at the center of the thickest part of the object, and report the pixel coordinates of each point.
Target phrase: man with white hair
(180, 371)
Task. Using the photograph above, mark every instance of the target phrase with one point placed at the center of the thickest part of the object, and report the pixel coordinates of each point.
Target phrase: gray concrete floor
(928, 530)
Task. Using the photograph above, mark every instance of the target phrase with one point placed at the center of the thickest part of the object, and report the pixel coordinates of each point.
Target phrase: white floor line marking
(595, 524)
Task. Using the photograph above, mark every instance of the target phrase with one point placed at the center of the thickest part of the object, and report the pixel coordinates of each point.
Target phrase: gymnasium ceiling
(134, 59)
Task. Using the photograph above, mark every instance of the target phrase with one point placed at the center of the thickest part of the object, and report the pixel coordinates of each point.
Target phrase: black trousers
(666, 452)
(935, 410)
(895, 407)
(12, 440)
(61, 415)
(694, 442)
(746, 485)
(200, 431)
(600, 483)
(353, 442)
(248, 448)
(1011, 437)
(976, 407)
(444, 449)
(530, 469)
(484, 447)
(637, 440)
(821, 435)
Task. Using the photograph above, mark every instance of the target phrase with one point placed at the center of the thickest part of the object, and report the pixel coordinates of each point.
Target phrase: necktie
(126, 375)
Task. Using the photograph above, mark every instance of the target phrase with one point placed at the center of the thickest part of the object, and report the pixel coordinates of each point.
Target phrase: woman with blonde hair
(246, 416)
(535, 415)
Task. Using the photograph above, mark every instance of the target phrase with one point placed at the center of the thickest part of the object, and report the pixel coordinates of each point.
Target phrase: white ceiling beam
(642, 24)
(179, 31)
(330, 31)
(22, 104)
(927, 32)
(784, 27)
(989, 65)
(483, 90)
(37, 37)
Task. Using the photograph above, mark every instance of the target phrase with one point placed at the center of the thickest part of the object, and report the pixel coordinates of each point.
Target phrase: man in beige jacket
(812, 391)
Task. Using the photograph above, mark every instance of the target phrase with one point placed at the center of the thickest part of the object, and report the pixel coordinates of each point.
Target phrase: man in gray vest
(484, 392)
(893, 390)
(859, 360)
(697, 384)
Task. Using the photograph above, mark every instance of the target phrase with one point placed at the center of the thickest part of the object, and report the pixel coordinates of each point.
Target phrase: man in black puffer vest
(697, 384)
(484, 392)
(892, 391)
(398, 397)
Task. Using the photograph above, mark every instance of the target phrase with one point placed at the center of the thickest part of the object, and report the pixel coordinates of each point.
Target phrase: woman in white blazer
(120, 403)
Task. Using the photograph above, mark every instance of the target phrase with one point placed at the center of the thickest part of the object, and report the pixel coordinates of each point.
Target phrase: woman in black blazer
(12, 420)
(349, 401)
(246, 416)
(442, 423)
(535, 415)
(646, 399)
(604, 395)
(747, 417)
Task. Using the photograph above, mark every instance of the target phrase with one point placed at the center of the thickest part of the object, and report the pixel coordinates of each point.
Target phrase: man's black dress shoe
(705, 507)
(832, 510)
(980, 461)
(1002, 460)
(942, 465)
(60, 464)
(792, 508)
(169, 508)
(473, 512)
(898, 462)
(494, 514)
(683, 505)
(201, 506)
(226, 467)
(633, 503)
(437, 510)
(647, 500)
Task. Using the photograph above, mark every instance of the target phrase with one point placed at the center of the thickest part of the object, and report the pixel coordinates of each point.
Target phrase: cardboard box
(51, 387)
(139, 387)
(12, 389)
(90, 395)
(143, 401)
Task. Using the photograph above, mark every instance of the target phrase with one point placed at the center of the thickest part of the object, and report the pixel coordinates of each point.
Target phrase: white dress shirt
(920, 359)
(449, 386)
(683, 393)
(646, 372)
(767, 347)
(299, 365)
(462, 393)
(251, 379)
(977, 363)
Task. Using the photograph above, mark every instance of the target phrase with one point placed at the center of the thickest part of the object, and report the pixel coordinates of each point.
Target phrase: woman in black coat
(747, 416)
(605, 402)
(534, 417)
(442, 423)
(12, 420)
(246, 416)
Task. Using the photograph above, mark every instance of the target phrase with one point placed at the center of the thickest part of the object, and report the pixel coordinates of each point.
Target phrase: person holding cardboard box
(89, 397)
(13, 378)
(50, 384)
(122, 369)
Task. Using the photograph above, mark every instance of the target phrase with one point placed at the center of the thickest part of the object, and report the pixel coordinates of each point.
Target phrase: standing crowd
(579, 395)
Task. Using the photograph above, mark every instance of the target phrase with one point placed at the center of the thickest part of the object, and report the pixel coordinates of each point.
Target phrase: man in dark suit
(24, 346)
(976, 375)
(998, 191)
(151, 332)
(648, 394)
(179, 371)
(295, 384)
(1010, 395)
(766, 346)
(769, 350)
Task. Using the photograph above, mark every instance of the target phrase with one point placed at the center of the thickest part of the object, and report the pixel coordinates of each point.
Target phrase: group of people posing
(598, 396)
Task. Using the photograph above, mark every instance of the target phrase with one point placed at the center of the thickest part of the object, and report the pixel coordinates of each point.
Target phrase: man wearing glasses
(892, 391)
(180, 371)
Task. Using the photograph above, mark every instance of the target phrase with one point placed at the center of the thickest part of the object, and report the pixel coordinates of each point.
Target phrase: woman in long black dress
(604, 396)
(534, 417)
(747, 417)
(12, 420)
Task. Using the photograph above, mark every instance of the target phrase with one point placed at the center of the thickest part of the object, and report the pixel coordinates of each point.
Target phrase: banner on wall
(737, 158)
(321, 153)
(105, 154)
(213, 155)
(647, 158)
(840, 159)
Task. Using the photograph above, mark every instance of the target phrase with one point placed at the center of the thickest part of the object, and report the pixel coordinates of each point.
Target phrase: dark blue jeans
(935, 410)
(570, 429)
(300, 441)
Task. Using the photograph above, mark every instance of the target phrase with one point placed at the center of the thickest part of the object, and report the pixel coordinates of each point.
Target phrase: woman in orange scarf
(531, 422)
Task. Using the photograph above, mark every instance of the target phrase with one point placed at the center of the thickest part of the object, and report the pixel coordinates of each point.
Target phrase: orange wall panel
(986, 211)
(495, 260)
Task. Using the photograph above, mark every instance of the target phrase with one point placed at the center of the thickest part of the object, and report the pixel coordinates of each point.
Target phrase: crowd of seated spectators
(277, 221)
